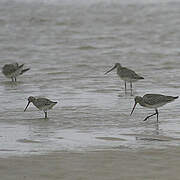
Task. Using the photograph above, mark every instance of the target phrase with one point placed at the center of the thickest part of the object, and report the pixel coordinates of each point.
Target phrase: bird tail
(171, 98)
(24, 70)
(141, 77)
(19, 67)
(53, 104)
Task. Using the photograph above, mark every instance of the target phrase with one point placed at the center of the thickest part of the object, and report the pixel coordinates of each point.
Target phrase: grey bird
(13, 70)
(42, 104)
(127, 75)
(153, 101)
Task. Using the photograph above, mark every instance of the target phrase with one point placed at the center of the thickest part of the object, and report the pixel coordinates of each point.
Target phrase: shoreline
(98, 165)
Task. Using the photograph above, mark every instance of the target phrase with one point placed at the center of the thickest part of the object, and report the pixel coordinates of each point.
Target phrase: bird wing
(152, 99)
(130, 73)
(9, 68)
(43, 102)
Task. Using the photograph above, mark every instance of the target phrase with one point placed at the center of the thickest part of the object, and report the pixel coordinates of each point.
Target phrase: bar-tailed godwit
(42, 104)
(13, 70)
(126, 74)
(153, 101)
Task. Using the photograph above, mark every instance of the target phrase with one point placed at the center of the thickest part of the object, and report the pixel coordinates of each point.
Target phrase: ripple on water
(111, 138)
(27, 141)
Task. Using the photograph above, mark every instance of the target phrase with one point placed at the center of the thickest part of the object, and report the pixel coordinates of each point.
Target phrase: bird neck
(34, 101)
(119, 69)
(141, 102)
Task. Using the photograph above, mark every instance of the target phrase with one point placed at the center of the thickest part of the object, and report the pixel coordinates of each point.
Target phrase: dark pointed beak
(110, 70)
(133, 108)
(27, 106)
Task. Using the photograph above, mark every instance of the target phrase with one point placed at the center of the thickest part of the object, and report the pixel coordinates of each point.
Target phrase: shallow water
(68, 46)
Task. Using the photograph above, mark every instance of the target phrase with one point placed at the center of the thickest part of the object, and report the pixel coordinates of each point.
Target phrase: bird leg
(45, 112)
(125, 86)
(131, 88)
(157, 128)
(152, 115)
(15, 79)
(157, 114)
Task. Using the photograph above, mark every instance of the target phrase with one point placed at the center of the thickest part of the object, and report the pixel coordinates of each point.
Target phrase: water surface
(68, 46)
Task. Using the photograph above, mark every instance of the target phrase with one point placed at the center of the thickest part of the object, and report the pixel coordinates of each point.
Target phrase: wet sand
(100, 165)
(69, 45)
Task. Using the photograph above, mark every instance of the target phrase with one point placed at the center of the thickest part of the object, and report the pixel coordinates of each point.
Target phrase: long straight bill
(133, 109)
(27, 106)
(110, 70)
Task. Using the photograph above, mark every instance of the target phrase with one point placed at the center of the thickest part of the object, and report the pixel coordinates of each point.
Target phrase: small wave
(57, 73)
(151, 139)
(106, 37)
(33, 19)
(27, 141)
(87, 47)
(60, 138)
(61, 23)
(7, 150)
(82, 65)
(110, 138)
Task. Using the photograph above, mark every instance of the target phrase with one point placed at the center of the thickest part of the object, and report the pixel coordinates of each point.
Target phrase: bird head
(30, 99)
(137, 99)
(114, 67)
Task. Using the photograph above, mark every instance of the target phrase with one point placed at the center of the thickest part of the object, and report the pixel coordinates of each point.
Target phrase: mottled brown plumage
(153, 101)
(42, 104)
(13, 70)
(126, 74)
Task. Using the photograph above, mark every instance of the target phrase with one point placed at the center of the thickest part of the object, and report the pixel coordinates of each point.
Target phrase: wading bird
(153, 101)
(42, 104)
(127, 75)
(13, 70)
